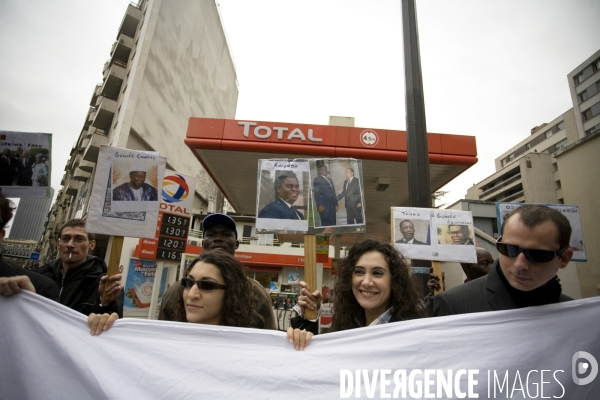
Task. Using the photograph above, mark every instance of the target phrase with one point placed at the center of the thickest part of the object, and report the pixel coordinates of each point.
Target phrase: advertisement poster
(25, 164)
(139, 287)
(571, 212)
(101, 216)
(432, 234)
(338, 198)
(283, 195)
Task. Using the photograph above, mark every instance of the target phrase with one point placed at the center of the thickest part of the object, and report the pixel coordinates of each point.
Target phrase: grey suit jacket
(487, 293)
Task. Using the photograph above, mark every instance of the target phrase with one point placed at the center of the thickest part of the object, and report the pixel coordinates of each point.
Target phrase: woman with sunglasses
(373, 286)
(215, 292)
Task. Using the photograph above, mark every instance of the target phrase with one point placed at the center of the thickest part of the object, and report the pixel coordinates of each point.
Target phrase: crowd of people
(373, 283)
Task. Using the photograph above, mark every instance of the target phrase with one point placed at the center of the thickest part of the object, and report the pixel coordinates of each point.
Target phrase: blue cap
(215, 219)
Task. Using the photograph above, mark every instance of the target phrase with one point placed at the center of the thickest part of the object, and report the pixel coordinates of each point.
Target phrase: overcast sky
(491, 69)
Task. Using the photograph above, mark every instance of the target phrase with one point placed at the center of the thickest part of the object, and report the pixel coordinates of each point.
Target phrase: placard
(101, 217)
(139, 287)
(25, 164)
(432, 234)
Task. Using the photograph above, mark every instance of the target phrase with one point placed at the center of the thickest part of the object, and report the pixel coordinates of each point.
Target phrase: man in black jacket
(14, 279)
(80, 277)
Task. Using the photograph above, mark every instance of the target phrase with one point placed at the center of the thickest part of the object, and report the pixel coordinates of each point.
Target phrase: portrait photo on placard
(459, 234)
(283, 195)
(136, 182)
(338, 198)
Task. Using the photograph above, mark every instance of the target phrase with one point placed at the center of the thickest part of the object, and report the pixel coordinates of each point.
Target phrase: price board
(172, 237)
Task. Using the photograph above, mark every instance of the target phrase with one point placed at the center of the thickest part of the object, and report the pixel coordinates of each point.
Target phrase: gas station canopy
(229, 150)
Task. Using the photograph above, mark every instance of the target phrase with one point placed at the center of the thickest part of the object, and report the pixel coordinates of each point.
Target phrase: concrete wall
(579, 170)
(538, 180)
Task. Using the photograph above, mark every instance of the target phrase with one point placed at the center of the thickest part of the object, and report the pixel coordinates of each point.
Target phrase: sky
(491, 69)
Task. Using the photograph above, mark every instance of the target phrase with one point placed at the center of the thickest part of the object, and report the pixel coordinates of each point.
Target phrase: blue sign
(34, 256)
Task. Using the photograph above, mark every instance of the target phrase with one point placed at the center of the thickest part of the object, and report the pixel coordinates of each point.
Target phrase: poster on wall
(139, 287)
(571, 212)
(432, 234)
(25, 164)
(338, 196)
(101, 215)
(283, 195)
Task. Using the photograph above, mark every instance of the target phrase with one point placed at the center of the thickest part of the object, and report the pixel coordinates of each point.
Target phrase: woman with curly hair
(373, 286)
(215, 291)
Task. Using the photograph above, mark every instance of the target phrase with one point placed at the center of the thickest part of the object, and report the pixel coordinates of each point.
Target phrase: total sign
(177, 193)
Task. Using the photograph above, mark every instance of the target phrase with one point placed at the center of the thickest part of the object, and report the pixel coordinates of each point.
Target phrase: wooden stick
(113, 263)
(310, 269)
(437, 270)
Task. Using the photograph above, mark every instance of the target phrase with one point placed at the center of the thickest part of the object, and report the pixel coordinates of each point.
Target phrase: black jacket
(78, 288)
(43, 286)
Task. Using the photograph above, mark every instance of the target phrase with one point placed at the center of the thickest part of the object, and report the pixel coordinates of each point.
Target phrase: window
(592, 130)
(504, 162)
(511, 157)
(589, 92)
(561, 125)
(591, 112)
(558, 185)
(555, 166)
(561, 145)
(549, 133)
(586, 73)
(528, 146)
(561, 201)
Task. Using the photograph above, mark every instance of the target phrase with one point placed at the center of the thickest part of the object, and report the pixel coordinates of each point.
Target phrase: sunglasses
(533, 255)
(205, 286)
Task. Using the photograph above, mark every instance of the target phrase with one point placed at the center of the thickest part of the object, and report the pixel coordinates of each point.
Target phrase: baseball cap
(215, 219)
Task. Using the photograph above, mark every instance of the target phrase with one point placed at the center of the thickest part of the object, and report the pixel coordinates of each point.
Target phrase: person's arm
(99, 323)
(15, 284)
(115, 288)
(302, 330)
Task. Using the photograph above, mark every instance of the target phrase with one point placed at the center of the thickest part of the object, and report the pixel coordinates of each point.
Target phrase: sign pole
(113, 262)
(310, 269)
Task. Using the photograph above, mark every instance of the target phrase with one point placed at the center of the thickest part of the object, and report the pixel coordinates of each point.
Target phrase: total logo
(175, 188)
(584, 368)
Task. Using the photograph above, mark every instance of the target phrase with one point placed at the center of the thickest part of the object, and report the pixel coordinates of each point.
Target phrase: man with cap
(136, 189)
(219, 232)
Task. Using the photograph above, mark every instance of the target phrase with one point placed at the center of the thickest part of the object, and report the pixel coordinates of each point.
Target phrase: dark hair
(405, 300)
(406, 220)
(6, 210)
(237, 310)
(464, 229)
(279, 180)
(532, 215)
(76, 223)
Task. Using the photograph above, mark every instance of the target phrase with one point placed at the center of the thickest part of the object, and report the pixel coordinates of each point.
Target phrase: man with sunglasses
(81, 277)
(219, 232)
(534, 245)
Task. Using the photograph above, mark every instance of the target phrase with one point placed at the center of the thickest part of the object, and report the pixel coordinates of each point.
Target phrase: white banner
(537, 352)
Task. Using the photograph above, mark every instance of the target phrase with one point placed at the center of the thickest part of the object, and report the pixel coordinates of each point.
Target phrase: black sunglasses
(205, 286)
(533, 255)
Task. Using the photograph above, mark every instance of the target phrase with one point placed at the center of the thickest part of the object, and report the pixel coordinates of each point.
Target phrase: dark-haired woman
(373, 286)
(215, 292)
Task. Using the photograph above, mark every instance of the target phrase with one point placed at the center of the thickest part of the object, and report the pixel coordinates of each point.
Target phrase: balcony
(93, 148)
(80, 175)
(515, 197)
(90, 118)
(72, 187)
(113, 79)
(510, 181)
(105, 113)
(131, 20)
(86, 166)
(97, 91)
(121, 49)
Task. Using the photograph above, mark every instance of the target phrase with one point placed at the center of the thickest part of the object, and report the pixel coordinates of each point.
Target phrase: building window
(586, 73)
(561, 125)
(592, 130)
(511, 157)
(558, 184)
(591, 112)
(528, 146)
(504, 162)
(549, 133)
(555, 166)
(561, 201)
(561, 145)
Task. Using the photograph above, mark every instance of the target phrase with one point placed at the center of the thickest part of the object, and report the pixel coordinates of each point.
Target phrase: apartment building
(28, 223)
(584, 85)
(170, 61)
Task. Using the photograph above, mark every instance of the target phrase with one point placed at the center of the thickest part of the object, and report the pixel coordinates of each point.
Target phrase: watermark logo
(175, 189)
(581, 367)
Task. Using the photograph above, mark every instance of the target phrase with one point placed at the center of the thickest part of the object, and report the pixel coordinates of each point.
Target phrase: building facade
(28, 223)
(170, 61)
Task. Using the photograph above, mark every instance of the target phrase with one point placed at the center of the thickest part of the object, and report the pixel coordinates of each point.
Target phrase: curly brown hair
(237, 310)
(405, 299)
